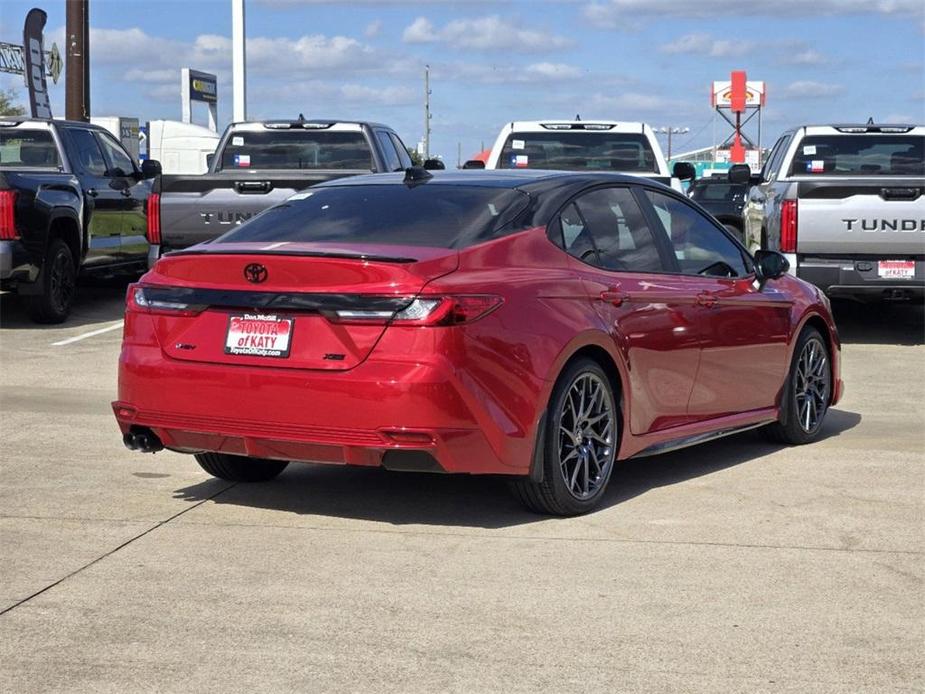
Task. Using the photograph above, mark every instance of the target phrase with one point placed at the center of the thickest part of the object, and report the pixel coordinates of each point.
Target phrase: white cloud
(810, 89)
(706, 45)
(488, 73)
(490, 33)
(807, 56)
(372, 29)
(632, 105)
(616, 14)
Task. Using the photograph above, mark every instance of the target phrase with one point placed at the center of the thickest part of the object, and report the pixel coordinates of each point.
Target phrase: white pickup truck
(846, 204)
(621, 147)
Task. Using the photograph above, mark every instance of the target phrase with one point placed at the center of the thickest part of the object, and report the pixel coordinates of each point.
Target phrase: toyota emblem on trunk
(256, 273)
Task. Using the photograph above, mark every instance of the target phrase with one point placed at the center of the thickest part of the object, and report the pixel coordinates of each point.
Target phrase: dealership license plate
(258, 335)
(896, 269)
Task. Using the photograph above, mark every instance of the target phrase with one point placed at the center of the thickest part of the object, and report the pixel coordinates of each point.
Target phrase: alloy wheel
(587, 436)
(813, 384)
(62, 281)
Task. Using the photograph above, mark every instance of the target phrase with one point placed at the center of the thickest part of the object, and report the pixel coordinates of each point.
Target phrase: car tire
(236, 468)
(58, 285)
(582, 432)
(807, 392)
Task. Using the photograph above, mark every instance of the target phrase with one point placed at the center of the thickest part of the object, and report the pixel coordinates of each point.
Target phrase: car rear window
(860, 155)
(430, 214)
(578, 150)
(297, 149)
(34, 149)
(713, 192)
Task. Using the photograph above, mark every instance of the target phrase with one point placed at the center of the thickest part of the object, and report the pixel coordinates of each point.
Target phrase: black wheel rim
(812, 386)
(587, 436)
(62, 282)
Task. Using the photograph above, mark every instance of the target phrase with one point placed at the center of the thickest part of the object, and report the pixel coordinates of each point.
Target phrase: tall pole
(77, 66)
(427, 112)
(238, 60)
(669, 143)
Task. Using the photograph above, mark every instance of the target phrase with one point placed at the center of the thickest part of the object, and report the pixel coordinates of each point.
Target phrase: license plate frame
(258, 335)
(896, 269)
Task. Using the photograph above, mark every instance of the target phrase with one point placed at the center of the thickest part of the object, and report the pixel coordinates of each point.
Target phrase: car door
(743, 326)
(103, 202)
(762, 196)
(134, 190)
(651, 319)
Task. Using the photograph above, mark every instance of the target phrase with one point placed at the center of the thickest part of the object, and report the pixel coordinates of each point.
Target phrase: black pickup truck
(259, 164)
(72, 201)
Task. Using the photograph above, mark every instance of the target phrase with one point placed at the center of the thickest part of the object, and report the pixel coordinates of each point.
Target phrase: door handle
(706, 299)
(613, 297)
(92, 192)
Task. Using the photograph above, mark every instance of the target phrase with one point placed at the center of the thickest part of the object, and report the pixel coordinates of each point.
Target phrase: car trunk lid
(275, 305)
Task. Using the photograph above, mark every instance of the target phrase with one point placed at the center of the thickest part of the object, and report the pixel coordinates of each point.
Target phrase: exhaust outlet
(143, 440)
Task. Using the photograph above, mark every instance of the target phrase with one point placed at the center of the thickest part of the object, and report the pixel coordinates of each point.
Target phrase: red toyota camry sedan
(533, 324)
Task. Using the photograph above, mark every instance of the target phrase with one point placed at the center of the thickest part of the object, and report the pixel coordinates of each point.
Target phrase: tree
(8, 105)
(416, 158)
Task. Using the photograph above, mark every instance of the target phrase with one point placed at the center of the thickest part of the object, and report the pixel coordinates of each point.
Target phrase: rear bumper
(858, 279)
(364, 416)
(16, 264)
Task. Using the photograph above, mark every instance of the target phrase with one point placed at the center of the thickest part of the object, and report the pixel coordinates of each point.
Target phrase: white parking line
(83, 336)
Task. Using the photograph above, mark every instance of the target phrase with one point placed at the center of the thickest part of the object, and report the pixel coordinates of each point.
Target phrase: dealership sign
(723, 93)
(203, 86)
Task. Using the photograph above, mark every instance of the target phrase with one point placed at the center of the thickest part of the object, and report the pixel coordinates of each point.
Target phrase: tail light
(154, 219)
(138, 299)
(427, 311)
(788, 226)
(7, 215)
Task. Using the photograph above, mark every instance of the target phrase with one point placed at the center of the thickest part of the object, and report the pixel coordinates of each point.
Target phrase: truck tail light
(154, 219)
(788, 226)
(7, 215)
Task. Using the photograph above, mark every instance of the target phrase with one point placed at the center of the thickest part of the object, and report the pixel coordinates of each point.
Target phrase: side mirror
(474, 164)
(769, 265)
(150, 168)
(434, 165)
(684, 171)
(739, 173)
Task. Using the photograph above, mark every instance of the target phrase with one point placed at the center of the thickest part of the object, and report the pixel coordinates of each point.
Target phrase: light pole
(669, 130)
(238, 62)
(426, 112)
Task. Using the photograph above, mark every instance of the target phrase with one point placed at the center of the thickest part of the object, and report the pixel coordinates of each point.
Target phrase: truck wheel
(236, 468)
(580, 444)
(807, 392)
(59, 284)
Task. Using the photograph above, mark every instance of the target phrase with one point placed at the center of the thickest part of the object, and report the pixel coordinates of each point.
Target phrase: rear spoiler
(210, 249)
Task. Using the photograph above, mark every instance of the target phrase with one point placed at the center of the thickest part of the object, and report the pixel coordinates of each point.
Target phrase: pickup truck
(846, 205)
(721, 198)
(259, 164)
(621, 147)
(72, 201)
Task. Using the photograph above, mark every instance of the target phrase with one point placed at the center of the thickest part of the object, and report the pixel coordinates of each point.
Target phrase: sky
(494, 62)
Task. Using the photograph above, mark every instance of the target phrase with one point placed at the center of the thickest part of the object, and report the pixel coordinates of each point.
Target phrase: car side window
(403, 156)
(120, 164)
(619, 231)
(576, 239)
(699, 245)
(777, 156)
(84, 152)
(388, 151)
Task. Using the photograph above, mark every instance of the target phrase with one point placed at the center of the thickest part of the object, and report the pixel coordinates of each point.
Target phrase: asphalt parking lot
(735, 566)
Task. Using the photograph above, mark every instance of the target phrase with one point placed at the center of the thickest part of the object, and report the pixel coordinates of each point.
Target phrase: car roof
(526, 179)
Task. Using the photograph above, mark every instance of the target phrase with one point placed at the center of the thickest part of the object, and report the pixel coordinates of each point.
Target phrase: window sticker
(301, 196)
(242, 160)
(521, 161)
(237, 141)
(518, 144)
(816, 166)
(809, 150)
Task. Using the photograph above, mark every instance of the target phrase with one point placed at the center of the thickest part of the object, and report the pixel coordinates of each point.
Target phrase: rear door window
(403, 155)
(84, 152)
(120, 164)
(619, 231)
(392, 162)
